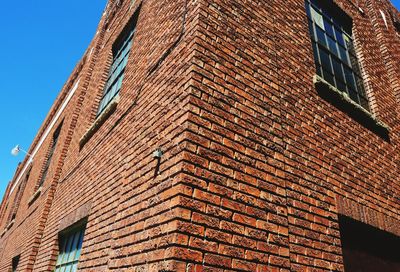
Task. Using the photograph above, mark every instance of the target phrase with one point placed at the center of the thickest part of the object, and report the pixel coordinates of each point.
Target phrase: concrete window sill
(35, 196)
(9, 226)
(99, 121)
(344, 103)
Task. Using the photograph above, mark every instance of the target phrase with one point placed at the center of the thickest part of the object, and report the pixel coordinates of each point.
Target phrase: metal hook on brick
(157, 154)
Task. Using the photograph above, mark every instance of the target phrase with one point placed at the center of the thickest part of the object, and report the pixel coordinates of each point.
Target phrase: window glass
(333, 46)
(337, 68)
(321, 36)
(50, 155)
(121, 50)
(317, 17)
(339, 37)
(334, 50)
(325, 60)
(328, 77)
(15, 262)
(343, 55)
(70, 249)
(350, 79)
(329, 28)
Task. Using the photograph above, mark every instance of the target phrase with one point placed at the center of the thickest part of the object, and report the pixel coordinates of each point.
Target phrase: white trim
(384, 18)
(45, 134)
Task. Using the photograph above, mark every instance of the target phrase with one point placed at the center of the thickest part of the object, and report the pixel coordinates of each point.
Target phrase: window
(366, 248)
(4, 211)
(397, 26)
(15, 262)
(18, 195)
(70, 245)
(121, 50)
(50, 156)
(333, 47)
(396, 22)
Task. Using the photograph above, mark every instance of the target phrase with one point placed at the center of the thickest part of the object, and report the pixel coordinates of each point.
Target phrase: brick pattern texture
(256, 166)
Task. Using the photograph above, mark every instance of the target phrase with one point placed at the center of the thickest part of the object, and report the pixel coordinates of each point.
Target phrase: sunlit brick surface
(256, 166)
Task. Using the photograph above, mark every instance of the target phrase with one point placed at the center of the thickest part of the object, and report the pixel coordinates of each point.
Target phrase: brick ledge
(361, 212)
(344, 103)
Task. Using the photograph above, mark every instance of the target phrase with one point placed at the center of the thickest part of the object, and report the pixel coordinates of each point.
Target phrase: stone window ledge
(9, 226)
(99, 121)
(344, 103)
(35, 196)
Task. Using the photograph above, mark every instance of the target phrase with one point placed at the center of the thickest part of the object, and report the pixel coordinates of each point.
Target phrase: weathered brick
(257, 164)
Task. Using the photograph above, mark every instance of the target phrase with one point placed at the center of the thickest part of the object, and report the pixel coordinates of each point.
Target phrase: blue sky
(41, 41)
(40, 44)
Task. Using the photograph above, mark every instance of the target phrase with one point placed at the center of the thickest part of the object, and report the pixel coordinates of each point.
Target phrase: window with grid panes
(70, 246)
(121, 50)
(18, 195)
(50, 156)
(334, 53)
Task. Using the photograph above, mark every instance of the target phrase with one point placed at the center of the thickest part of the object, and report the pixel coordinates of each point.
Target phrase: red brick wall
(256, 166)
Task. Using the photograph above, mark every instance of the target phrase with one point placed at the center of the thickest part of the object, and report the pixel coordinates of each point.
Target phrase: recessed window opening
(50, 156)
(120, 50)
(70, 247)
(368, 249)
(333, 47)
(15, 262)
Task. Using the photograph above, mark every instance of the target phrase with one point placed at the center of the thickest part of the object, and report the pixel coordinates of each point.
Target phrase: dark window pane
(71, 256)
(337, 68)
(350, 79)
(50, 155)
(339, 37)
(340, 86)
(353, 96)
(315, 51)
(343, 55)
(15, 262)
(332, 46)
(308, 10)
(327, 14)
(329, 77)
(70, 249)
(67, 251)
(321, 36)
(325, 60)
(319, 70)
(329, 28)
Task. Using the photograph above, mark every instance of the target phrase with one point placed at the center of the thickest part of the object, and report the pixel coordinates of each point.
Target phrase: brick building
(218, 135)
